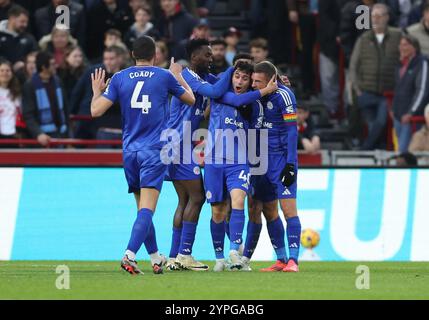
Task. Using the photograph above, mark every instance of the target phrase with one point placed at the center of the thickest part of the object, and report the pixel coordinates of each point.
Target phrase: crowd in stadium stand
(364, 79)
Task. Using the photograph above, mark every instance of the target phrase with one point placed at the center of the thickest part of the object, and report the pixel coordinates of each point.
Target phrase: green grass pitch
(317, 280)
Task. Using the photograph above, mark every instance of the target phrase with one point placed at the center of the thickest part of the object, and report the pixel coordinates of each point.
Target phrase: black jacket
(412, 90)
(101, 19)
(14, 47)
(175, 29)
(329, 14)
(45, 19)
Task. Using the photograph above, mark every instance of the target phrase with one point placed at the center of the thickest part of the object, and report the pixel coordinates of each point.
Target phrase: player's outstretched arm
(238, 100)
(188, 96)
(219, 88)
(99, 104)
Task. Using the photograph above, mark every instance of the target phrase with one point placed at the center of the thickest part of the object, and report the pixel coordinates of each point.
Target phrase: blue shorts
(143, 169)
(183, 172)
(268, 187)
(220, 180)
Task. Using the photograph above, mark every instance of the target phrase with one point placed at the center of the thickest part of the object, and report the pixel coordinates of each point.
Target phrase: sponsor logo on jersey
(234, 122)
(268, 125)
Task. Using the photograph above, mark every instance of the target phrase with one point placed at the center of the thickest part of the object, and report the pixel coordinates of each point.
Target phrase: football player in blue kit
(184, 171)
(279, 184)
(143, 93)
(226, 171)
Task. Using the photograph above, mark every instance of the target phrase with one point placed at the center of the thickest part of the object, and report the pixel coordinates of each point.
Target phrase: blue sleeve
(206, 89)
(174, 86)
(287, 104)
(111, 91)
(238, 100)
(211, 78)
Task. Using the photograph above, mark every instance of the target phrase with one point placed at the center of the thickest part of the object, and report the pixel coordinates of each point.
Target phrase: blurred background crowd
(358, 89)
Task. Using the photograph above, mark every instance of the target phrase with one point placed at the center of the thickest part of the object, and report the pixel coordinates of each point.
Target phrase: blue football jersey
(280, 120)
(143, 94)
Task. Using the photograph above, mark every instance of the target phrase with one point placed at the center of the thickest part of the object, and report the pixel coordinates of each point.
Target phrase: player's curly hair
(245, 67)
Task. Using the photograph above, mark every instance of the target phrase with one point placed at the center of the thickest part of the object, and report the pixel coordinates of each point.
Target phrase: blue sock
(218, 238)
(175, 242)
(293, 230)
(150, 241)
(252, 237)
(276, 231)
(188, 236)
(226, 226)
(236, 226)
(140, 229)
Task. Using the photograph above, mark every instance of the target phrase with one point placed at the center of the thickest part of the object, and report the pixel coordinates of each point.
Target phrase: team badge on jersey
(270, 105)
(197, 170)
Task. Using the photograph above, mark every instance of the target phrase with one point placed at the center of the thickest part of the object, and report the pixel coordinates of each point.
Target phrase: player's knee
(289, 208)
(197, 200)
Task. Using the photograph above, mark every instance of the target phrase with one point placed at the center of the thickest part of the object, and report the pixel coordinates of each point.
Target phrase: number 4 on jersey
(144, 104)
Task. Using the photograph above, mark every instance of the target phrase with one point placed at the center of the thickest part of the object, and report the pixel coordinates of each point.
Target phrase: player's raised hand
(175, 68)
(272, 84)
(98, 81)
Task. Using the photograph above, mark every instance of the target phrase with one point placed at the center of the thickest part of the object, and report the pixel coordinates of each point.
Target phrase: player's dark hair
(245, 67)
(242, 55)
(218, 41)
(16, 10)
(144, 48)
(43, 59)
(195, 45)
(266, 68)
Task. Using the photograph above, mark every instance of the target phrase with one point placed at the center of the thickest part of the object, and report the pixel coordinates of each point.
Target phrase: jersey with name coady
(143, 94)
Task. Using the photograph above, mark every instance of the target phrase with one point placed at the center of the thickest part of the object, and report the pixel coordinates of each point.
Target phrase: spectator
(204, 7)
(259, 50)
(46, 18)
(421, 30)
(107, 14)
(348, 31)
(417, 11)
(5, 5)
(82, 92)
(175, 24)
(301, 14)
(200, 31)
(44, 105)
(307, 139)
(10, 102)
(232, 37)
(372, 72)
(113, 37)
(26, 73)
(57, 43)
(141, 27)
(219, 63)
(411, 90)
(420, 139)
(15, 42)
(72, 68)
(161, 55)
(329, 15)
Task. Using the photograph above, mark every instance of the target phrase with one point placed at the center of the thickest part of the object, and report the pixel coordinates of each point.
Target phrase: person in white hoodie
(10, 101)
